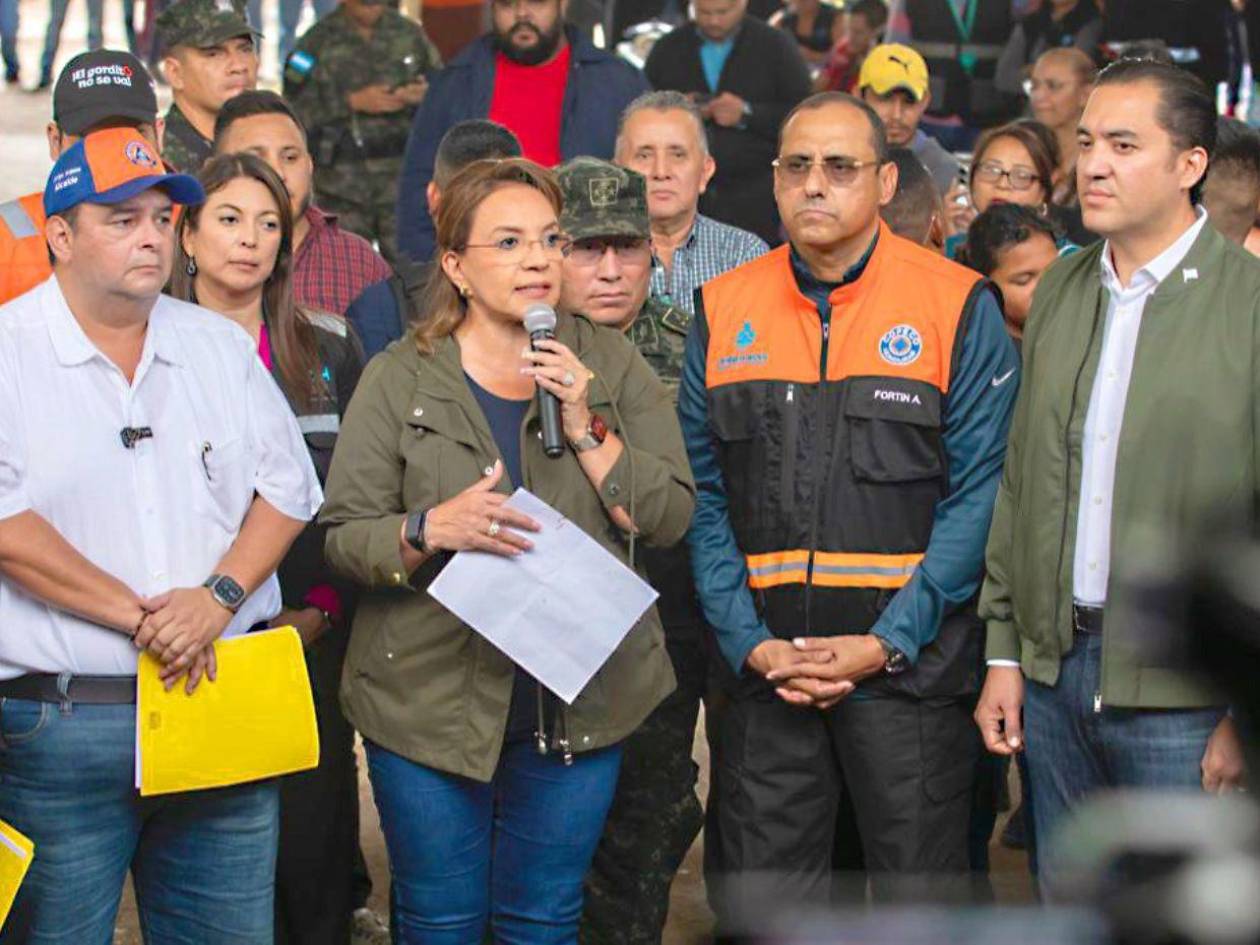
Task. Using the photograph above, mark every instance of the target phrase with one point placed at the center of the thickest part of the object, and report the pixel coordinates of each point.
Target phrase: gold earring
(465, 292)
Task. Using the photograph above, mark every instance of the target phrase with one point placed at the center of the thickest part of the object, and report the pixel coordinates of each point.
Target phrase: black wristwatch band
(894, 660)
(413, 531)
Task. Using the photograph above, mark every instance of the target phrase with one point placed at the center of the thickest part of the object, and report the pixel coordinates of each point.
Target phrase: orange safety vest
(829, 434)
(23, 253)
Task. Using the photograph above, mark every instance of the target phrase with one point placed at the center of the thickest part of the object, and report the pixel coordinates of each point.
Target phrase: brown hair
(1076, 59)
(1038, 140)
(443, 308)
(292, 337)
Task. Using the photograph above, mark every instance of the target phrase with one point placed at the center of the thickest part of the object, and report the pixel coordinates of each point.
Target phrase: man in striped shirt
(662, 137)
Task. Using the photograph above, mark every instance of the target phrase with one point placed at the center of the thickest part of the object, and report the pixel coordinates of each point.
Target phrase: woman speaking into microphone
(492, 793)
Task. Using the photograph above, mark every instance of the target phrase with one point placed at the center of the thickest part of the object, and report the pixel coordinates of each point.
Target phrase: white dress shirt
(162, 514)
(1092, 563)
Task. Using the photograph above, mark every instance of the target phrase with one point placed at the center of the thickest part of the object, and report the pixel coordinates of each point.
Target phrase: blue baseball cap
(110, 166)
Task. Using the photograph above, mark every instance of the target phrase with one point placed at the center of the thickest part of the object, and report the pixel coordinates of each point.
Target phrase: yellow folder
(16, 853)
(256, 720)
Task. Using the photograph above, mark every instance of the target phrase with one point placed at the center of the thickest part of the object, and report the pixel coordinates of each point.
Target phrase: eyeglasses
(840, 171)
(512, 250)
(1018, 178)
(1053, 86)
(629, 249)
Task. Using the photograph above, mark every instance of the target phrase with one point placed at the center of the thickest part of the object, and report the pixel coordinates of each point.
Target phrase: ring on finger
(494, 529)
(569, 380)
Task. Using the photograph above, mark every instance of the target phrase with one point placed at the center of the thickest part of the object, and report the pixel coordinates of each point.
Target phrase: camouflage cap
(602, 199)
(202, 23)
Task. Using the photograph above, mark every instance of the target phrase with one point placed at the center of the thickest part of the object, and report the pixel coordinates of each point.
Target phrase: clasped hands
(817, 672)
(179, 628)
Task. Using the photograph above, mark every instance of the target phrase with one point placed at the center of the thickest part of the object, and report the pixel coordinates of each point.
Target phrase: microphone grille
(540, 317)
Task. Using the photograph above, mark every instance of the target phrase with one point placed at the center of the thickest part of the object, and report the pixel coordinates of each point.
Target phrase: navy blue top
(505, 418)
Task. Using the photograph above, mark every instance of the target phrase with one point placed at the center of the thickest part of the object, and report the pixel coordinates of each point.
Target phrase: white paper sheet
(559, 611)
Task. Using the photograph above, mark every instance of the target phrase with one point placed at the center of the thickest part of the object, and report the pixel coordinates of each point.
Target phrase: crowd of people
(893, 344)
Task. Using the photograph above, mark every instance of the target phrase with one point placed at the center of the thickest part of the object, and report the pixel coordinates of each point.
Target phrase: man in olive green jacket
(1155, 329)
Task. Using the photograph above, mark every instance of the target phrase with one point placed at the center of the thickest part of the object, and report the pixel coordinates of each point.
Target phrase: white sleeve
(13, 495)
(283, 473)
(1011, 663)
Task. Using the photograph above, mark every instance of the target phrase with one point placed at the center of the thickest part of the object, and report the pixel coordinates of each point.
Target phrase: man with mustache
(550, 86)
(356, 79)
(210, 57)
(844, 401)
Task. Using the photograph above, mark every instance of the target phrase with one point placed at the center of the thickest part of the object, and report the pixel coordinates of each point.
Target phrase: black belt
(1087, 619)
(90, 690)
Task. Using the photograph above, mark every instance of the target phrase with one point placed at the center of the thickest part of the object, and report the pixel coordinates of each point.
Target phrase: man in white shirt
(1112, 457)
(151, 479)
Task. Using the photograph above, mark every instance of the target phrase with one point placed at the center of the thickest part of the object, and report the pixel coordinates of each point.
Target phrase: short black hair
(1187, 110)
(879, 136)
(1232, 188)
(875, 12)
(916, 201)
(1237, 144)
(249, 104)
(467, 142)
(1000, 227)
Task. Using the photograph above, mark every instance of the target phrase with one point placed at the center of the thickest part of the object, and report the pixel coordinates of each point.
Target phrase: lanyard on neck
(965, 23)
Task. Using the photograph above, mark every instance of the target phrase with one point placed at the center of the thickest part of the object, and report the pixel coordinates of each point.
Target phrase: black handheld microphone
(540, 322)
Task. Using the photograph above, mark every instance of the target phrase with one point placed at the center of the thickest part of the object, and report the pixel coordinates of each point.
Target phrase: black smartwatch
(413, 531)
(894, 660)
(225, 591)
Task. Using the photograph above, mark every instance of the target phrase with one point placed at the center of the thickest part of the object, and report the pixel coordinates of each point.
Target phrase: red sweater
(529, 101)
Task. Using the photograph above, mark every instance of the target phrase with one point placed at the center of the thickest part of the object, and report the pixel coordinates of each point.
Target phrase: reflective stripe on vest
(831, 569)
(319, 423)
(17, 220)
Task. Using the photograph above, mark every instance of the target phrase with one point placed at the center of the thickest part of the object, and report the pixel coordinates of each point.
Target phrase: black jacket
(766, 70)
(600, 85)
(304, 567)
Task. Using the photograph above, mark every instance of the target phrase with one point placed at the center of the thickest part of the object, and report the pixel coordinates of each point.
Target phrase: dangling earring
(465, 292)
(191, 268)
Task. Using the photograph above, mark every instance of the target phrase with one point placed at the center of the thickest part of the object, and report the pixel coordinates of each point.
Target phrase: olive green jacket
(1189, 454)
(417, 680)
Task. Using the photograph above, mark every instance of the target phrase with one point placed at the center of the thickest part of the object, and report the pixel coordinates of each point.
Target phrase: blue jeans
(290, 14)
(203, 863)
(57, 18)
(512, 852)
(8, 36)
(1074, 751)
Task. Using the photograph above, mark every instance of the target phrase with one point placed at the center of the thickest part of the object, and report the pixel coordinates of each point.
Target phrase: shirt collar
(319, 219)
(1159, 268)
(73, 347)
(700, 221)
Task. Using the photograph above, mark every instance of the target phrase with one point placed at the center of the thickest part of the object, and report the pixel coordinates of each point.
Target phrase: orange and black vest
(24, 261)
(829, 433)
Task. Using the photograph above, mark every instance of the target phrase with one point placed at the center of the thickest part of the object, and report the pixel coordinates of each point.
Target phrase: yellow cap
(892, 66)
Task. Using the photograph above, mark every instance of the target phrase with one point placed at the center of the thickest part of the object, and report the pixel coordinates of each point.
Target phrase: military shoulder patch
(300, 63)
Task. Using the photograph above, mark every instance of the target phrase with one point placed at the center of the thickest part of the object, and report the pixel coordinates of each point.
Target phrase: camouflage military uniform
(358, 156)
(655, 814)
(200, 24)
(183, 146)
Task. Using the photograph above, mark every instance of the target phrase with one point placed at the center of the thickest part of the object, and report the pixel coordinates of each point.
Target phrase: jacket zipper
(540, 733)
(818, 472)
(1067, 449)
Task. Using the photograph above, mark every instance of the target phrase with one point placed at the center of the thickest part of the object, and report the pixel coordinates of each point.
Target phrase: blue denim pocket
(21, 721)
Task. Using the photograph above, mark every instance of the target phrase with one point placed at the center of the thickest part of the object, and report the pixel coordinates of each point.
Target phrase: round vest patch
(901, 345)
